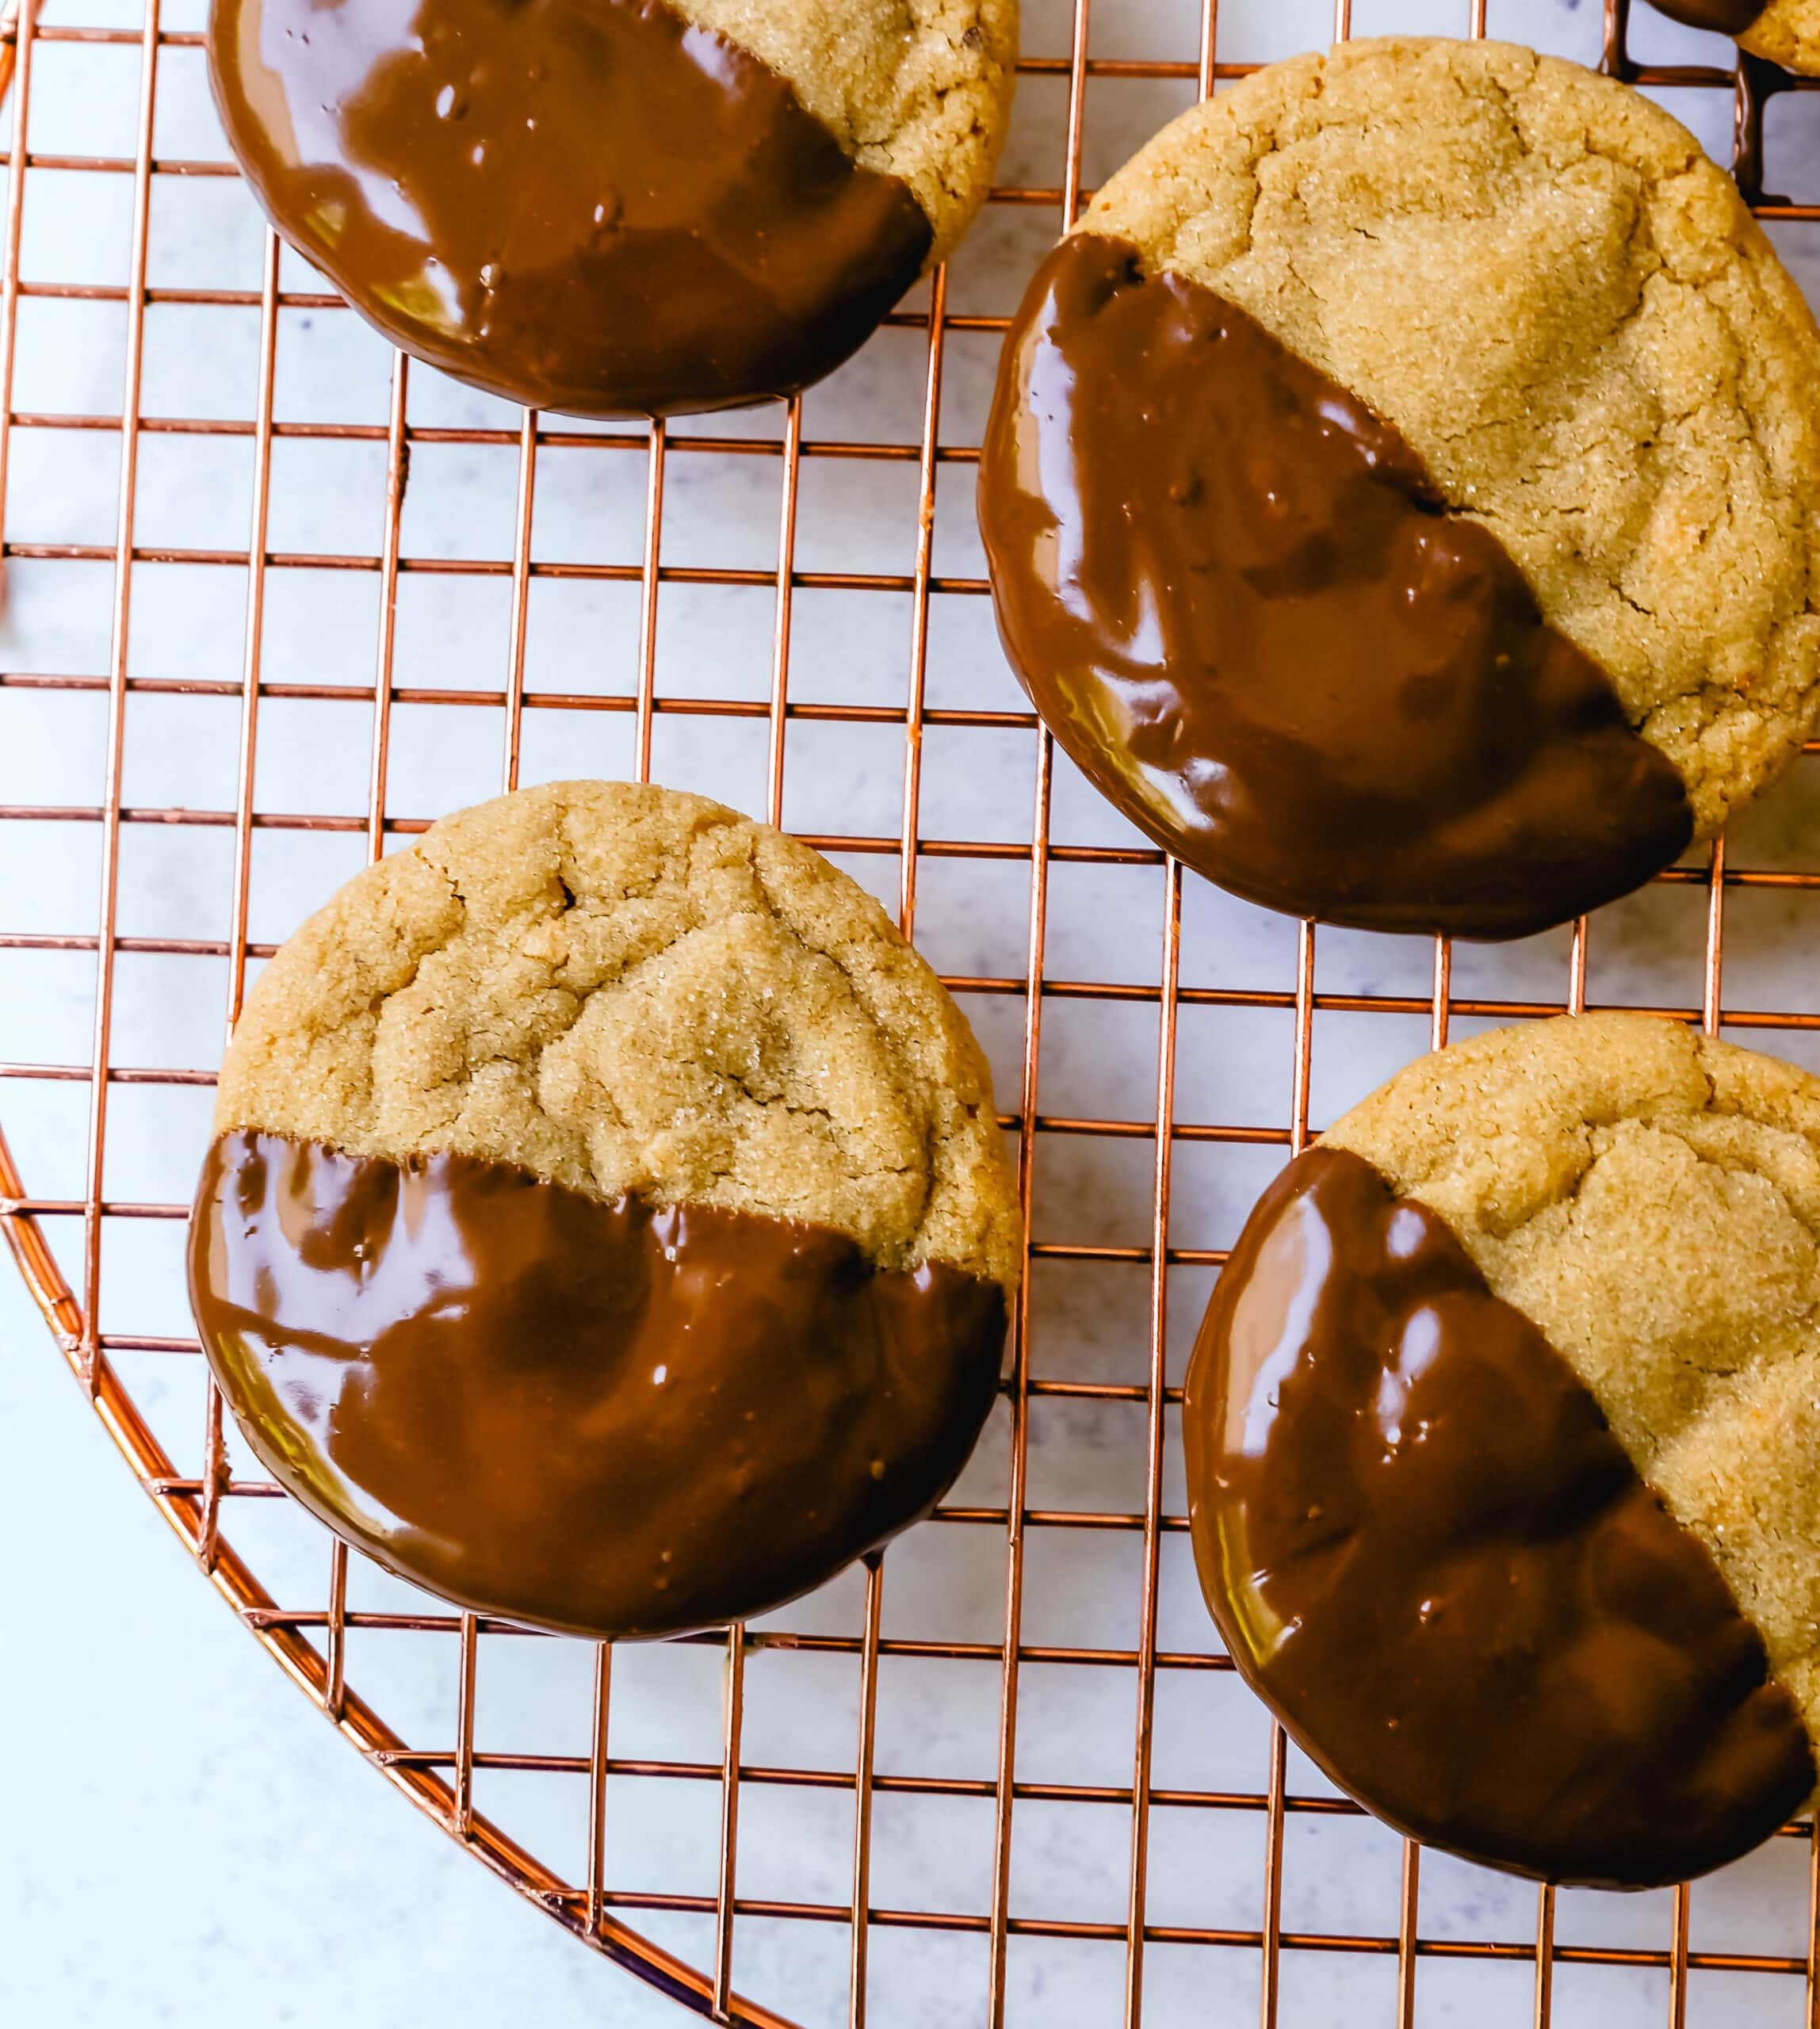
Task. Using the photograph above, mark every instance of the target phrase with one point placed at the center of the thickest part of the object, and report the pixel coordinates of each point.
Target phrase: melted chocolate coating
(1729, 17)
(578, 205)
(1428, 1554)
(1233, 593)
(609, 1419)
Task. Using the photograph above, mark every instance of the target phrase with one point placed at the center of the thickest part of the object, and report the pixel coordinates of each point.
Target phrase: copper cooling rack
(63, 1243)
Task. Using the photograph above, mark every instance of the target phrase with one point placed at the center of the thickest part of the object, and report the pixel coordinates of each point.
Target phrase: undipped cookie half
(1403, 493)
(608, 1224)
(1501, 1435)
(1787, 31)
(619, 206)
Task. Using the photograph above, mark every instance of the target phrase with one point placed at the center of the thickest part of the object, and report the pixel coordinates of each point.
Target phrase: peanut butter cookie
(1512, 1390)
(608, 1224)
(618, 206)
(1402, 495)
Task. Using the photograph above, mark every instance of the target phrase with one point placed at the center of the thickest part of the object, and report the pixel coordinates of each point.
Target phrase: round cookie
(1786, 32)
(634, 1192)
(1551, 323)
(1570, 1410)
(619, 206)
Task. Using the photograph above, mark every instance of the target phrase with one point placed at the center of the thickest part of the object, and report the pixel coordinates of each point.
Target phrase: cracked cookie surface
(1535, 274)
(1649, 1198)
(919, 89)
(626, 988)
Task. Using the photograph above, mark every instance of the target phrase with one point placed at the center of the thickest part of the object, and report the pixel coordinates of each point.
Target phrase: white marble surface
(186, 1840)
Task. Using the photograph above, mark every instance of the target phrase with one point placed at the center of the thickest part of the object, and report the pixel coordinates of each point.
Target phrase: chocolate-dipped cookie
(619, 206)
(1787, 31)
(608, 1224)
(1501, 1431)
(1402, 492)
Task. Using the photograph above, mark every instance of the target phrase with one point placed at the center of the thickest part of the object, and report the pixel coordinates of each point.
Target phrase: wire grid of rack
(312, 1643)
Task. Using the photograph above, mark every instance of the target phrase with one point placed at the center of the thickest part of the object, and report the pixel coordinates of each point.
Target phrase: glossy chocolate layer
(1729, 17)
(1231, 593)
(578, 204)
(1427, 1551)
(607, 1419)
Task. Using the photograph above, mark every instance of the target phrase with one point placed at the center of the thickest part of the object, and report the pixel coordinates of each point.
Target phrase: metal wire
(441, 1780)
